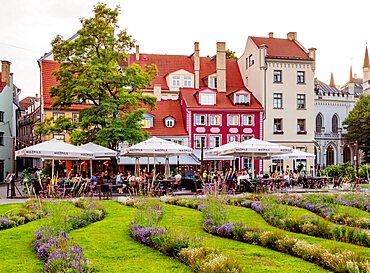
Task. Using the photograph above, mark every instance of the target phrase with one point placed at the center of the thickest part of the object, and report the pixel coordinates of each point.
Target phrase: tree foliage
(92, 71)
(358, 125)
(230, 54)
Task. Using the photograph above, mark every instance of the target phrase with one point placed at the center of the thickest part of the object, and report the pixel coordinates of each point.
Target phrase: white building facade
(281, 73)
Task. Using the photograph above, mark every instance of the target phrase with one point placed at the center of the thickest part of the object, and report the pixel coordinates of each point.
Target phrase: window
(1, 139)
(164, 97)
(277, 76)
(169, 122)
(278, 100)
(214, 141)
(74, 117)
(318, 123)
(232, 138)
(301, 126)
(247, 120)
(200, 119)
(212, 82)
(57, 115)
(145, 123)
(1, 116)
(207, 99)
(174, 97)
(246, 137)
(215, 120)
(175, 81)
(334, 124)
(241, 99)
(188, 81)
(301, 101)
(233, 120)
(250, 60)
(198, 140)
(278, 125)
(300, 77)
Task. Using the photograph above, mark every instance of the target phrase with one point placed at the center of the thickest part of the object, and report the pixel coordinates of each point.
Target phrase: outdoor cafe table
(318, 182)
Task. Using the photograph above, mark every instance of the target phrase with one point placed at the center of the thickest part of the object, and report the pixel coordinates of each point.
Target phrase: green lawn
(17, 252)
(8, 208)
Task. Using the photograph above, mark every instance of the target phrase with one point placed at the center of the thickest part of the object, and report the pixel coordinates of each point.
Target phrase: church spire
(366, 59)
(332, 83)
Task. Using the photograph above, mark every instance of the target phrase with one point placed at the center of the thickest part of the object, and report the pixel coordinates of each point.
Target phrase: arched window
(334, 123)
(346, 154)
(318, 123)
(330, 156)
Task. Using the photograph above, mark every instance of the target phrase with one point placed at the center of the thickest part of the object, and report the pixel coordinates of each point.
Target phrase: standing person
(230, 178)
(177, 183)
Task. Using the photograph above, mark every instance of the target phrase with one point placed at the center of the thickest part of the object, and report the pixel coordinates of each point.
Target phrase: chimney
(262, 51)
(137, 53)
(196, 65)
(312, 55)
(157, 92)
(5, 72)
(271, 35)
(292, 36)
(221, 66)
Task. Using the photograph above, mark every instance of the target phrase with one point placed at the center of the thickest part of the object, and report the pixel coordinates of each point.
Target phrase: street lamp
(356, 157)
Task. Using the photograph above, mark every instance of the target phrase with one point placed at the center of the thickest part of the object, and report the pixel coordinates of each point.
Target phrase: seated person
(177, 183)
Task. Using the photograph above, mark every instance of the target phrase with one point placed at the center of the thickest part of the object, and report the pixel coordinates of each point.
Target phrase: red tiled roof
(223, 100)
(166, 108)
(26, 102)
(167, 64)
(48, 81)
(282, 48)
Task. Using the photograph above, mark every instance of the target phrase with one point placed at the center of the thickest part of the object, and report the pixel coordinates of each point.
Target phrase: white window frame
(301, 77)
(207, 98)
(213, 117)
(212, 141)
(188, 81)
(212, 82)
(145, 123)
(169, 122)
(278, 76)
(241, 98)
(164, 97)
(199, 122)
(276, 130)
(301, 129)
(231, 138)
(175, 81)
(301, 98)
(233, 124)
(197, 143)
(246, 137)
(250, 120)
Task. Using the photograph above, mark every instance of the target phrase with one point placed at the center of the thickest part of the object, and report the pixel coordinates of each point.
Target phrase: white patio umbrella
(55, 149)
(99, 152)
(296, 154)
(156, 147)
(255, 148)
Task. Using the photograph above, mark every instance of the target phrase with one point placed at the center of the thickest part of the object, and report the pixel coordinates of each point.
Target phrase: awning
(183, 160)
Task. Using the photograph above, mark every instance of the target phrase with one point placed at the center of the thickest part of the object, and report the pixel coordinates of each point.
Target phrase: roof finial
(366, 59)
(332, 83)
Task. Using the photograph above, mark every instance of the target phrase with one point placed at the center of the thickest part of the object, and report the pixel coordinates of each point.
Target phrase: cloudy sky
(338, 29)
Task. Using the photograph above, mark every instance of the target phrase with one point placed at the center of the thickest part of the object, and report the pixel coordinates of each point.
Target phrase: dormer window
(207, 98)
(241, 99)
(175, 81)
(169, 122)
(212, 82)
(147, 121)
(188, 81)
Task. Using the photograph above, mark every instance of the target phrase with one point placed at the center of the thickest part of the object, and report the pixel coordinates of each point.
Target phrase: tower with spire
(366, 72)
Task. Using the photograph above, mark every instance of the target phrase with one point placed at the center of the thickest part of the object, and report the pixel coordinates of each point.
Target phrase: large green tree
(92, 70)
(358, 125)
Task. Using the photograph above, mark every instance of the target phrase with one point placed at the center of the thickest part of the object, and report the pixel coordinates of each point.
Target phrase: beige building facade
(281, 74)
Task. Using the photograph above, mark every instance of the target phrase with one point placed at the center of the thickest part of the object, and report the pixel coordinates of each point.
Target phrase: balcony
(328, 135)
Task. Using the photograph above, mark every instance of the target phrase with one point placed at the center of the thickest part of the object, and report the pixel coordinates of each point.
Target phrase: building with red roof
(281, 74)
(201, 101)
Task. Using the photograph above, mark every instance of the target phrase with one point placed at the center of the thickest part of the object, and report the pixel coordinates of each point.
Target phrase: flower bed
(55, 247)
(32, 210)
(360, 201)
(277, 215)
(173, 244)
(326, 207)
